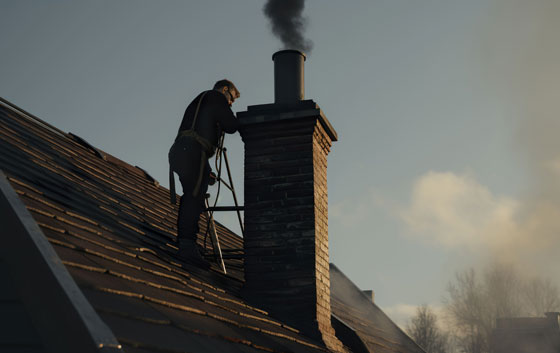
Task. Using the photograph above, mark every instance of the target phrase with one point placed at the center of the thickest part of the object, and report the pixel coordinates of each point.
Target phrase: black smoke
(288, 24)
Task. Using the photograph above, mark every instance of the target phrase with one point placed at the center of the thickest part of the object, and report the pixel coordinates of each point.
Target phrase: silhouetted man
(205, 119)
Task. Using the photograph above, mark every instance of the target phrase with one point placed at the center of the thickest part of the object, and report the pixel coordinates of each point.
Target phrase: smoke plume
(288, 24)
(519, 56)
(525, 62)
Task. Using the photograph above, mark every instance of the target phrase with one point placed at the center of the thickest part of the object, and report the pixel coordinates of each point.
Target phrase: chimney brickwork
(286, 215)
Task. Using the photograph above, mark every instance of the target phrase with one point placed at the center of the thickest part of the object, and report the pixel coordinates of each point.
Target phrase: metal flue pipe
(288, 76)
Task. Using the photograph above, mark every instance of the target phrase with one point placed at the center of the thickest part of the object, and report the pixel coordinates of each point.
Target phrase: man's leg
(184, 158)
(190, 209)
(189, 213)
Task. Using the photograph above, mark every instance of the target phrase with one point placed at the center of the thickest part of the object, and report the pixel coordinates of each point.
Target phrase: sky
(446, 112)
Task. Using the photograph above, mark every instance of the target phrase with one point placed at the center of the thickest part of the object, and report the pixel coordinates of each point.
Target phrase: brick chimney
(286, 205)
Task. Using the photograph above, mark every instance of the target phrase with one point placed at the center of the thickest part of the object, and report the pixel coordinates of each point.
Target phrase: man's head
(228, 89)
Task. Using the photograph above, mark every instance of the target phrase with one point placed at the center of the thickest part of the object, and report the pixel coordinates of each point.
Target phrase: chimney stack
(286, 205)
(370, 294)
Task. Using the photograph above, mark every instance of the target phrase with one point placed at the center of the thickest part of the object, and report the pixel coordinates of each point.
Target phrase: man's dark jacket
(214, 116)
(189, 159)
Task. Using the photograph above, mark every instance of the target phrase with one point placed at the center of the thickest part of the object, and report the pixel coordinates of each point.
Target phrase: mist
(288, 24)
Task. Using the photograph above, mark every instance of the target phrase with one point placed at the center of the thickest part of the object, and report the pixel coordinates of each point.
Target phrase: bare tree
(541, 296)
(424, 330)
(503, 291)
(466, 307)
(473, 303)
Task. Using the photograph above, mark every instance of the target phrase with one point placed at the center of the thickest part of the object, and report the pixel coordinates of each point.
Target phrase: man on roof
(205, 119)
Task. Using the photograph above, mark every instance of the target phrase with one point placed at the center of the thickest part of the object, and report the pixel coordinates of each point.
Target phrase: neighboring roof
(376, 330)
(550, 321)
(113, 228)
(527, 334)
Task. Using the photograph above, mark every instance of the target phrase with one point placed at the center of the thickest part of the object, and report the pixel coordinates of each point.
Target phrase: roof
(527, 334)
(113, 228)
(376, 330)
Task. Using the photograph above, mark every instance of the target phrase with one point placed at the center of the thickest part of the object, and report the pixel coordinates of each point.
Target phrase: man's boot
(189, 252)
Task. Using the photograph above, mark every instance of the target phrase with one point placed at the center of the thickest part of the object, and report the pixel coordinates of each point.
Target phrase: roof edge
(29, 255)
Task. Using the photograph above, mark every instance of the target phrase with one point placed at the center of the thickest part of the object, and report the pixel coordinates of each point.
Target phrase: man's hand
(212, 179)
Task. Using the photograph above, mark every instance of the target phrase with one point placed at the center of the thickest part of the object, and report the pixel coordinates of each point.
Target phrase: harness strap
(206, 145)
(197, 108)
(207, 150)
(172, 186)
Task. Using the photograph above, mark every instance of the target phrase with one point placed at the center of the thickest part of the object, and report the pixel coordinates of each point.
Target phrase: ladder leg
(233, 192)
(215, 240)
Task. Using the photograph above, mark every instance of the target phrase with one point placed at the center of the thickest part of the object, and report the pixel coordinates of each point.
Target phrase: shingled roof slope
(114, 229)
(371, 324)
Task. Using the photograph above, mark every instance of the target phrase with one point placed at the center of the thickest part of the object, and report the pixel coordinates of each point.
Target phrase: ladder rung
(225, 208)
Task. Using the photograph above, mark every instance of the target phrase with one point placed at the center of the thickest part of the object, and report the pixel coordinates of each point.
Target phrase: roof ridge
(30, 116)
(78, 140)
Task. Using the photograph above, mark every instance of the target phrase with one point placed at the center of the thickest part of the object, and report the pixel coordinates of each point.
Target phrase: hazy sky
(445, 109)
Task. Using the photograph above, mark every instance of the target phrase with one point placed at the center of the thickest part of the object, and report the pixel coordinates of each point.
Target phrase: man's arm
(225, 117)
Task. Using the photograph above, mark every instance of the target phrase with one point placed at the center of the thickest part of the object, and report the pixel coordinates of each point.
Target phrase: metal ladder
(219, 254)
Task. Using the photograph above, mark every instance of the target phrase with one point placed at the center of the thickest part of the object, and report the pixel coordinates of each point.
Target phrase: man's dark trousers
(185, 158)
